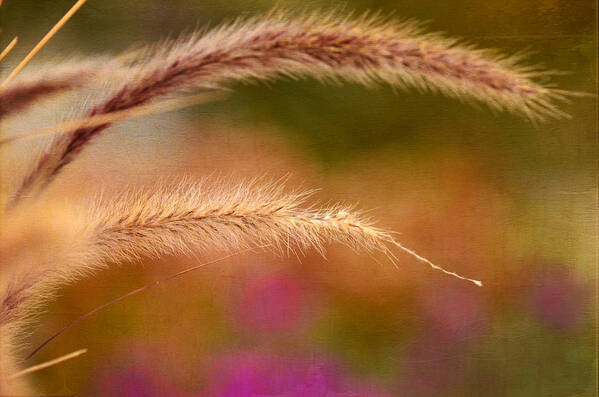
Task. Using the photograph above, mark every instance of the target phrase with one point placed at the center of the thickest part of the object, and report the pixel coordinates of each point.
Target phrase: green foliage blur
(489, 194)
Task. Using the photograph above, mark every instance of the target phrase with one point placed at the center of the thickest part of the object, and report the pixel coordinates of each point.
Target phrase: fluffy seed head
(325, 47)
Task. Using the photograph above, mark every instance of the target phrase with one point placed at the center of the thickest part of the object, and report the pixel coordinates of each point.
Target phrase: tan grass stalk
(49, 363)
(326, 47)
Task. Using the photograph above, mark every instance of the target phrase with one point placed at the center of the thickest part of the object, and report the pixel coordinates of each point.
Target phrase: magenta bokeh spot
(137, 381)
(454, 315)
(454, 312)
(559, 300)
(252, 374)
(247, 374)
(271, 303)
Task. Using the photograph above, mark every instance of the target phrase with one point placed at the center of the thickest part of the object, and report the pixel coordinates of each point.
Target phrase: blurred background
(487, 194)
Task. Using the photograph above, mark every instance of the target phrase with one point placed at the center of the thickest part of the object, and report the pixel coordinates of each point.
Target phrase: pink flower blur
(454, 311)
(137, 381)
(261, 374)
(560, 300)
(271, 303)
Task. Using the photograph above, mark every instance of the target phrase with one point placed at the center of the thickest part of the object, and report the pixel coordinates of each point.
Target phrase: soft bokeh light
(560, 299)
(454, 313)
(248, 374)
(271, 303)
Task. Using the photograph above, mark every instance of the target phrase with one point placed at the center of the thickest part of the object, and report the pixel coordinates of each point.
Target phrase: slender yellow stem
(9, 47)
(50, 363)
(44, 40)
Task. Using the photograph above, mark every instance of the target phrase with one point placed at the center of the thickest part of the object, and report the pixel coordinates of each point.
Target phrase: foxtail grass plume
(184, 218)
(326, 47)
(188, 218)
